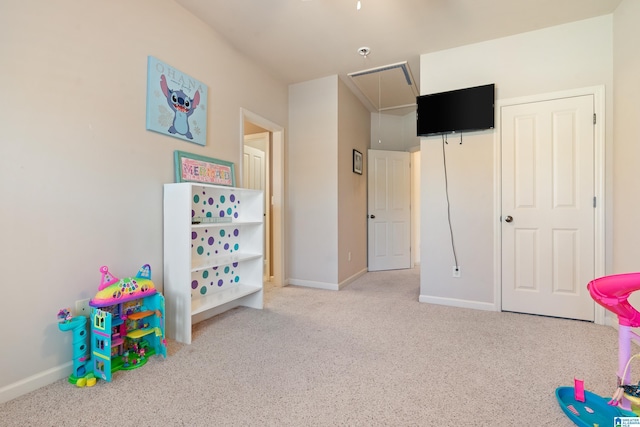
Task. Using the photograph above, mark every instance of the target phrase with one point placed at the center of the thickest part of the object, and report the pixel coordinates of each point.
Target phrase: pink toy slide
(612, 292)
(587, 409)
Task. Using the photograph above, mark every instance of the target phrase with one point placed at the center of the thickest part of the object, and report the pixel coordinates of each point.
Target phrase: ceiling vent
(390, 89)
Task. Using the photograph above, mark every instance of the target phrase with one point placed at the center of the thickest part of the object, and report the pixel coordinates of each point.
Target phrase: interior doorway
(270, 141)
(256, 175)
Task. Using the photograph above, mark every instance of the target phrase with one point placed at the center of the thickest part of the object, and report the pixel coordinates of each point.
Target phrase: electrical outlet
(456, 271)
(349, 256)
(82, 308)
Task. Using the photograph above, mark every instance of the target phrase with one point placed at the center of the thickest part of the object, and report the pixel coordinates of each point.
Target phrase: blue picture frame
(176, 103)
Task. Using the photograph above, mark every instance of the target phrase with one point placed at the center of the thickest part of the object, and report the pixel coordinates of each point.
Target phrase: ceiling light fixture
(358, 5)
(364, 51)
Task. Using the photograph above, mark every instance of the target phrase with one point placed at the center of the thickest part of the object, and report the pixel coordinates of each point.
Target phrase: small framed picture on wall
(357, 162)
(195, 168)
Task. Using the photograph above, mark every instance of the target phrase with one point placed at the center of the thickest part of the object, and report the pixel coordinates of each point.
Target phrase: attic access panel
(387, 88)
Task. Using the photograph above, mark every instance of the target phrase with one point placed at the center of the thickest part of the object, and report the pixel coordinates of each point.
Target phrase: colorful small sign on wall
(176, 103)
(194, 168)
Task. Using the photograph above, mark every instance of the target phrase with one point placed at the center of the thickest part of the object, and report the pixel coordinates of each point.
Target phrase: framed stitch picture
(176, 103)
(194, 168)
(357, 162)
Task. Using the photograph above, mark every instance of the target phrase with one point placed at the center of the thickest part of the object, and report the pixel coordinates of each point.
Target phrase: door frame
(267, 193)
(598, 93)
(277, 189)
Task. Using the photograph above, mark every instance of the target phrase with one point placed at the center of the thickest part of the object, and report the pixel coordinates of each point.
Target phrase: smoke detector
(364, 51)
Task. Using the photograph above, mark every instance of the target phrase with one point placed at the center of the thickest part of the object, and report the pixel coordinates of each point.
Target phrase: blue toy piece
(595, 410)
(82, 374)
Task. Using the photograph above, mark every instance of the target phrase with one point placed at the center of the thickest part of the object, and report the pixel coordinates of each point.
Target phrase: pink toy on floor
(612, 292)
(113, 290)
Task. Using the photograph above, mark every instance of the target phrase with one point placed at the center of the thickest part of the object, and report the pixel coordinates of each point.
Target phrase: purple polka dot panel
(218, 206)
(214, 278)
(207, 242)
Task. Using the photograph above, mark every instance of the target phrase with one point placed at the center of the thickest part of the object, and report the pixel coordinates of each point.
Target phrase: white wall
(80, 177)
(327, 200)
(393, 133)
(409, 132)
(353, 133)
(627, 138)
(386, 132)
(564, 57)
(626, 210)
(313, 183)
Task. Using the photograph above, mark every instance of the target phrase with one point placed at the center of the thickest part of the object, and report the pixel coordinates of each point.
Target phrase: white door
(389, 196)
(253, 168)
(255, 176)
(548, 229)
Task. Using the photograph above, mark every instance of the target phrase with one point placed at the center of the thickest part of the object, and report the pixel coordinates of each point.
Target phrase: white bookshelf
(210, 267)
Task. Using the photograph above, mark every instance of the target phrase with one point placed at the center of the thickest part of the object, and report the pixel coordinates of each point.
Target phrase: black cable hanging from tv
(446, 190)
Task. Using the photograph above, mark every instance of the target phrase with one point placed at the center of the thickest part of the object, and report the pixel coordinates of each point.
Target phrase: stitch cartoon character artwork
(177, 104)
(182, 107)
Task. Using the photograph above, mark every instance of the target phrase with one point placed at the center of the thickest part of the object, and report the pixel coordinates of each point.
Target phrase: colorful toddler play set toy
(127, 327)
(586, 409)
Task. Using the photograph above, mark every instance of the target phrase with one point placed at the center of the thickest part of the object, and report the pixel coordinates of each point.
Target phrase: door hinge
(594, 201)
(594, 118)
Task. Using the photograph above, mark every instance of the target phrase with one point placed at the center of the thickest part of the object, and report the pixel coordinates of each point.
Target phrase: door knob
(508, 218)
(372, 216)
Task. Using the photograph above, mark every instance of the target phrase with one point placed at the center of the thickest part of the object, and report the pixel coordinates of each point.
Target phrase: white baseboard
(317, 285)
(325, 285)
(452, 302)
(35, 382)
(352, 278)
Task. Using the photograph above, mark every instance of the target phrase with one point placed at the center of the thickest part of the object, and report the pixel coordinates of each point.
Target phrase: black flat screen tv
(456, 111)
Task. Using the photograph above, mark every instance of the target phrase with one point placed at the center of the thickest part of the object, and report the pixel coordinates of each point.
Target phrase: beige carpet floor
(368, 355)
